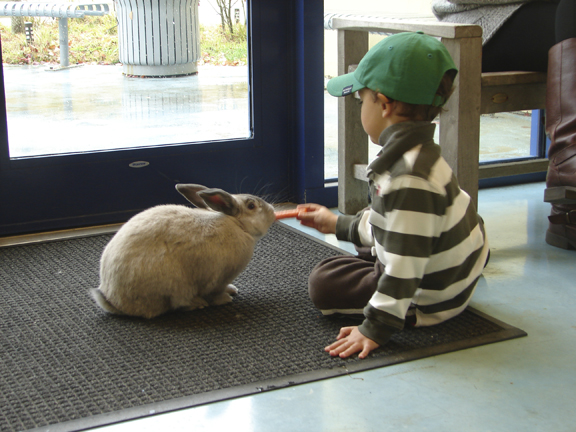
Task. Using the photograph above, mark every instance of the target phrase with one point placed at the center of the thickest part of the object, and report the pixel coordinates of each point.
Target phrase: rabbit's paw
(231, 289)
(221, 299)
(195, 303)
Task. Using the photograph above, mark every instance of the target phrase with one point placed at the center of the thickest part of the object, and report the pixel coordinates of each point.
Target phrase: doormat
(68, 365)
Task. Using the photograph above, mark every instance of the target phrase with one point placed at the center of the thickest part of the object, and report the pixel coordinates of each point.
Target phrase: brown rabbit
(175, 257)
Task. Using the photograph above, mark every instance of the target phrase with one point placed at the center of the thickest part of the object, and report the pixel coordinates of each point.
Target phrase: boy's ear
(383, 99)
(386, 104)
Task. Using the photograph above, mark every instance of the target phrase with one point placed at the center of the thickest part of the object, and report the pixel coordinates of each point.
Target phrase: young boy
(424, 244)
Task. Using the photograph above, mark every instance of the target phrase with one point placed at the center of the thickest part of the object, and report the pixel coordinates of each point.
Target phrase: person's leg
(561, 126)
(343, 284)
(523, 41)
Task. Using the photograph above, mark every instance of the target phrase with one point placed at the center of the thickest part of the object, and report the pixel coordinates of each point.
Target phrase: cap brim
(344, 85)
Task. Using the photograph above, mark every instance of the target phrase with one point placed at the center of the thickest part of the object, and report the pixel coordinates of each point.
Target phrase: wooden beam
(390, 25)
(352, 140)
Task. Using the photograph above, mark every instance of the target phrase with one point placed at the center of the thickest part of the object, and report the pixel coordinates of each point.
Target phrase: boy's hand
(317, 217)
(350, 341)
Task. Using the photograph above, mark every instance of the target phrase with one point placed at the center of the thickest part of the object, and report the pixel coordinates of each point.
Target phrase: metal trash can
(158, 38)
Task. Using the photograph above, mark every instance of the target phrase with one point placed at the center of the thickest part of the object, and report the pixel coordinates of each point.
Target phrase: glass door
(161, 75)
(95, 143)
(99, 108)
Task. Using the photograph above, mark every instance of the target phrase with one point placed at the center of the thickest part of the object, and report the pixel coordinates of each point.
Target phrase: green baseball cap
(407, 67)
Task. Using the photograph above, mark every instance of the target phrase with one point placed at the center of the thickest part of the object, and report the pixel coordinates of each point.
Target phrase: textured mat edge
(508, 332)
(505, 332)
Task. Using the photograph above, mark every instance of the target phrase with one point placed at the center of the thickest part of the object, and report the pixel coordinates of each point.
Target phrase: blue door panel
(48, 193)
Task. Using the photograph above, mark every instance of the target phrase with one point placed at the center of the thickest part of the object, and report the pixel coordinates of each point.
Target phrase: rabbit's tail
(103, 302)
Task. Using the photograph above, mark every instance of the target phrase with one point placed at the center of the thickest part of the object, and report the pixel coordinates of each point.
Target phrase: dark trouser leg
(344, 284)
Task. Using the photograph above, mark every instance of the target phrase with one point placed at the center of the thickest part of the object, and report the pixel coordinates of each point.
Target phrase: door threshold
(51, 236)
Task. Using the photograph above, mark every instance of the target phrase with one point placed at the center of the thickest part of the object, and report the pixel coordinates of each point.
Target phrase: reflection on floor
(525, 384)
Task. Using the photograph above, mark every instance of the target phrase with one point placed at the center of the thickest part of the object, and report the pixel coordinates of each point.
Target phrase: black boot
(561, 127)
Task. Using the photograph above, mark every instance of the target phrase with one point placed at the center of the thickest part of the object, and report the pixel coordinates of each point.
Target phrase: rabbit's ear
(219, 200)
(190, 192)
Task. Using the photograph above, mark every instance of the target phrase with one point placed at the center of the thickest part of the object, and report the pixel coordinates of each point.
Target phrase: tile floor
(526, 384)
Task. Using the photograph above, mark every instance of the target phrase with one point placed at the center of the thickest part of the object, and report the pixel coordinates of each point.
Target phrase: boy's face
(371, 115)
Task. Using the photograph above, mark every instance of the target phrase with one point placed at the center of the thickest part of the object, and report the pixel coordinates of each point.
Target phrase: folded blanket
(488, 14)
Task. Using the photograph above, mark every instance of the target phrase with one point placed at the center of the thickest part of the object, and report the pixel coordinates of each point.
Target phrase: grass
(223, 49)
(94, 40)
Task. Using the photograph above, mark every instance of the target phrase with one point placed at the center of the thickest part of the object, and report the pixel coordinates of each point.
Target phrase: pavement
(95, 107)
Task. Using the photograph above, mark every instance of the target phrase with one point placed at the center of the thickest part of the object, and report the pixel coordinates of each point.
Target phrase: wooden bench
(62, 11)
(475, 94)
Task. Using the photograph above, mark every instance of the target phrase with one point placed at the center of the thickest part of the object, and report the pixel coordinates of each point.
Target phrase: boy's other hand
(351, 341)
(317, 217)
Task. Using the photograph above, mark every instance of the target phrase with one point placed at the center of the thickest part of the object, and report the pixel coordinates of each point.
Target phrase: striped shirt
(422, 227)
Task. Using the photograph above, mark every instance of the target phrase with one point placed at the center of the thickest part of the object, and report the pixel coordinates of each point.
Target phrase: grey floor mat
(67, 364)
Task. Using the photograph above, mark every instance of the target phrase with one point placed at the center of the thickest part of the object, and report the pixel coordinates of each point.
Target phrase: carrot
(283, 214)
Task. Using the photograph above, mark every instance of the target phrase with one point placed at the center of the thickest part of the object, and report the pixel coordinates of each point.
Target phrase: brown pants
(344, 284)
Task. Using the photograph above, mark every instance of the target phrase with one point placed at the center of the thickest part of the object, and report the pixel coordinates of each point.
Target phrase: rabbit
(176, 257)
